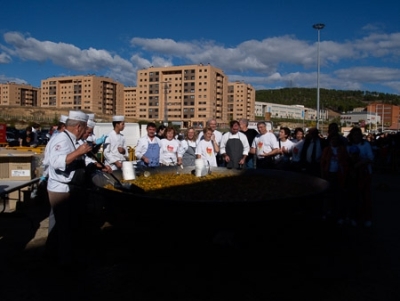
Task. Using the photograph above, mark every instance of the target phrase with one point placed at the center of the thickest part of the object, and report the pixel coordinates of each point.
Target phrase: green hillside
(337, 100)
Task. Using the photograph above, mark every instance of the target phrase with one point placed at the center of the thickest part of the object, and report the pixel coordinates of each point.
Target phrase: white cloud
(5, 79)
(368, 74)
(395, 85)
(4, 58)
(64, 55)
(165, 46)
(378, 45)
(140, 62)
(373, 27)
(276, 61)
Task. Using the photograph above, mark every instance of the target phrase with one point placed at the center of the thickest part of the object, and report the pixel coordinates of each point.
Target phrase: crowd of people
(345, 162)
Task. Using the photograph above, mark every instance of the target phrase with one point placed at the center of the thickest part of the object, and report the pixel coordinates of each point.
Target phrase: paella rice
(216, 187)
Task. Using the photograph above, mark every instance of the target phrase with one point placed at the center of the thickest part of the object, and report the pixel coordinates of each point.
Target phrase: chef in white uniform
(114, 149)
(65, 161)
(92, 137)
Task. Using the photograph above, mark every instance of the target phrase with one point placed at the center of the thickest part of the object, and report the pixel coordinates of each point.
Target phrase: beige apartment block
(13, 94)
(95, 94)
(186, 95)
(130, 102)
(241, 101)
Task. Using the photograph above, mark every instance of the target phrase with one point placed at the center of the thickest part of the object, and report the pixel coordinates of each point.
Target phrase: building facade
(13, 94)
(130, 102)
(240, 101)
(361, 119)
(276, 110)
(189, 95)
(87, 92)
(389, 115)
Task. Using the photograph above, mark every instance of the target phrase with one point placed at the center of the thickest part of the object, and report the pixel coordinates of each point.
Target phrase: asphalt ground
(298, 257)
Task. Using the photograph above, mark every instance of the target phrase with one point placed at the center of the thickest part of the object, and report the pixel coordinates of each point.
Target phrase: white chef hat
(118, 118)
(91, 124)
(78, 115)
(91, 116)
(63, 119)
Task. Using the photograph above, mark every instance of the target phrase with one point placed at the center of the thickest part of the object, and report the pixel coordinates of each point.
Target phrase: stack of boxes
(16, 166)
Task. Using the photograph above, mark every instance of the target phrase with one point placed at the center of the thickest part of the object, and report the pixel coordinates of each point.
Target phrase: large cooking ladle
(118, 184)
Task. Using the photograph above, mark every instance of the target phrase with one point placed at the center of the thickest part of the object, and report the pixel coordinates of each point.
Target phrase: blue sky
(269, 44)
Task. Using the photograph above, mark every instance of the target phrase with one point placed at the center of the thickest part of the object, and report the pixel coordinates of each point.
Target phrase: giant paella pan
(223, 195)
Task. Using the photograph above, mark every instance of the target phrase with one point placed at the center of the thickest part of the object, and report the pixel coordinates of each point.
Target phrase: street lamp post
(165, 103)
(318, 27)
(304, 117)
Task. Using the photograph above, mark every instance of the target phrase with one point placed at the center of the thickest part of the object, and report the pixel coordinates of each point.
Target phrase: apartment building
(130, 102)
(187, 95)
(96, 94)
(13, 94)
(241, 101)
(390, 114)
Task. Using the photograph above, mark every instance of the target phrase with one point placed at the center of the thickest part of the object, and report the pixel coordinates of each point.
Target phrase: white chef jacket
(46, 156)
(60, 146)
(142, 145)
(88, 159)
(110, 149)
(238, 135)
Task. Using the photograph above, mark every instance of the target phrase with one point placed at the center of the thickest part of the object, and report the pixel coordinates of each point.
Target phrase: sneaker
(367, 224)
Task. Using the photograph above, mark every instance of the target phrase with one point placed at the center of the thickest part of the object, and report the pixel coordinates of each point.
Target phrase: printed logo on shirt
(209, 150)
(260, 145)
(57, 147)
(170, 148)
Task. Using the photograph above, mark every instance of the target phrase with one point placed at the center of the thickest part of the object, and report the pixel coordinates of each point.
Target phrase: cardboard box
(18, 166)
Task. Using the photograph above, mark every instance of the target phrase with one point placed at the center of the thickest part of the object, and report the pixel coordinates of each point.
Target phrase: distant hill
(336, 100)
